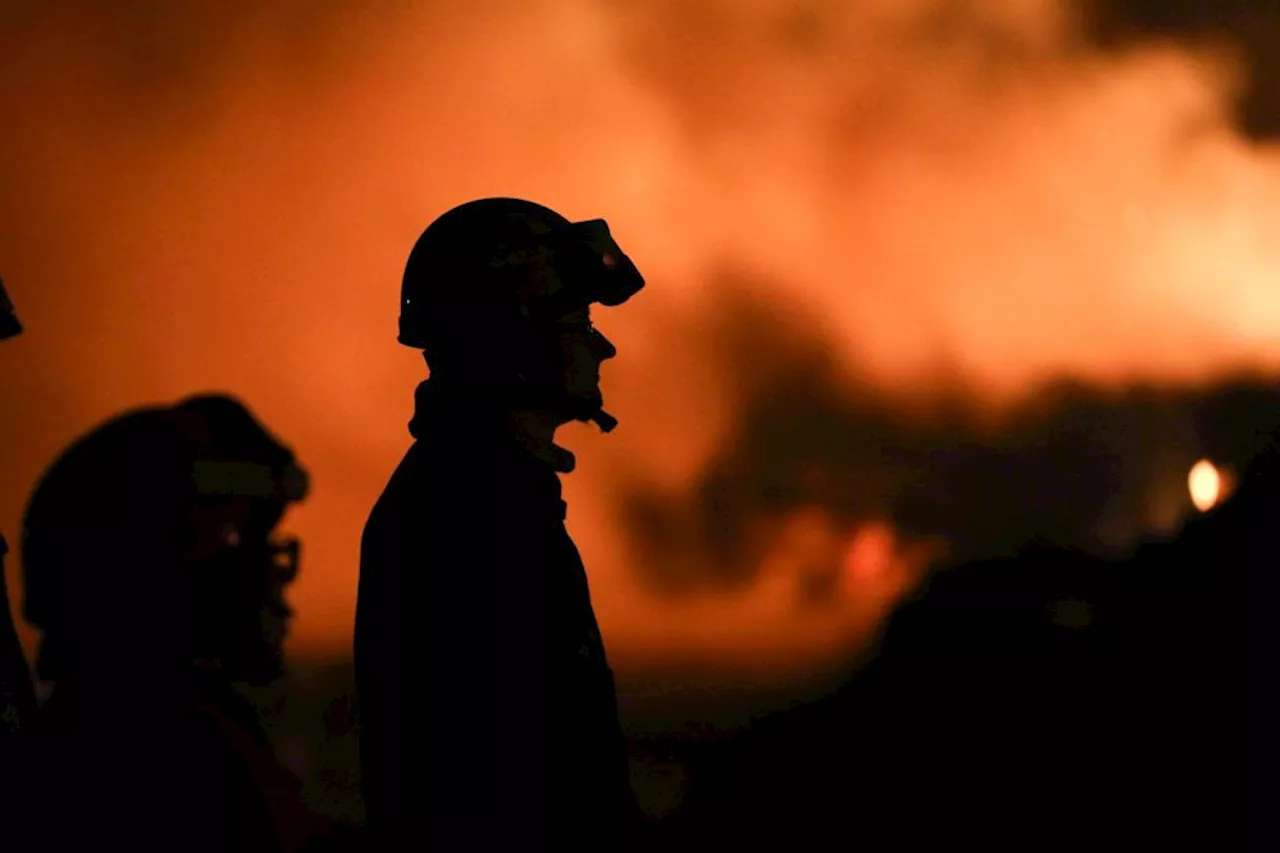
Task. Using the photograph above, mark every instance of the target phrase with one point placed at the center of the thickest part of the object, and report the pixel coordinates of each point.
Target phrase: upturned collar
(476, 413)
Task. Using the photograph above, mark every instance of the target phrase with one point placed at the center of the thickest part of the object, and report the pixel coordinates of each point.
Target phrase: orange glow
(822, 586)
(1205, 485)
(963, 196)
(869, 554)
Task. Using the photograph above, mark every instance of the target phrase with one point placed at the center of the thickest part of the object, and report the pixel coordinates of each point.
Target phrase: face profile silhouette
(188, 498)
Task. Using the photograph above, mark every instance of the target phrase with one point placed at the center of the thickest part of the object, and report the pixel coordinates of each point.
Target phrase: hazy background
(925, 278)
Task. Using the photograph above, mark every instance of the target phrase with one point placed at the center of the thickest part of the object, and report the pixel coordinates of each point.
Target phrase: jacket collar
(461, 411)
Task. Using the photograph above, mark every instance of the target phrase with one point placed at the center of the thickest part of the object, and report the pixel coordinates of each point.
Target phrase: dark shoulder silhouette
(17, 696)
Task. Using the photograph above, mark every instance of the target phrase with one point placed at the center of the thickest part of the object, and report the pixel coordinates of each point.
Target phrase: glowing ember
(870, 554)
(1205, 484)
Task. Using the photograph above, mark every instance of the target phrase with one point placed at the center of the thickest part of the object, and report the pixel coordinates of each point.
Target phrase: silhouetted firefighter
(17, 699)
(489, 716)
(1051, 701)
(152, 568)
(1079, 701)
(1203, 642)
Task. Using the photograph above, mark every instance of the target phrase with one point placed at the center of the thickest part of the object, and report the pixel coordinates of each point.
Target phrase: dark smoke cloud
(1073, 466)
(1251, 27)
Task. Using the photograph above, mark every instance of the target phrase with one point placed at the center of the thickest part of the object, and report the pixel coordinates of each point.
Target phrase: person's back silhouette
(151, 566)
(488, 710)
(1201, 627)
(17, 699)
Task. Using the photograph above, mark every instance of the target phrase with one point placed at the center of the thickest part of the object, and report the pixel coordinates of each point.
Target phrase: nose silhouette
(604, 349)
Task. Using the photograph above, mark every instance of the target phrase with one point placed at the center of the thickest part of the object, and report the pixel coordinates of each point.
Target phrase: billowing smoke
(942, 206)
(1248, 28)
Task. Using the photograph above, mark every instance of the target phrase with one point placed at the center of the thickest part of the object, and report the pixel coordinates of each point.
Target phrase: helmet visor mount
(587, 266)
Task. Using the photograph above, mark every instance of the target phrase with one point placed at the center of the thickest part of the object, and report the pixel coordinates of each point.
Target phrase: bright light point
(870, 554)
(1205, 484)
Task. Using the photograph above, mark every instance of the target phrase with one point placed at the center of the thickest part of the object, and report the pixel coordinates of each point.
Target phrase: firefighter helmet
(490, 275)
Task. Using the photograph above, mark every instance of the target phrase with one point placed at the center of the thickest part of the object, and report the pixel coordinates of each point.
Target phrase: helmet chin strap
(588, 411)
(534, 394)
(605, 421)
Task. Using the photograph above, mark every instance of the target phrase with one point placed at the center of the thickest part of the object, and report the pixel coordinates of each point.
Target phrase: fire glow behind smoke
(959, 194)
(1205, 484)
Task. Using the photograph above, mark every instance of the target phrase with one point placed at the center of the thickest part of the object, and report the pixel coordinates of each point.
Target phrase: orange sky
(222, 196)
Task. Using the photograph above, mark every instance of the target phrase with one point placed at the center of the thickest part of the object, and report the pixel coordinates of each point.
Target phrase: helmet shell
(506, 262)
